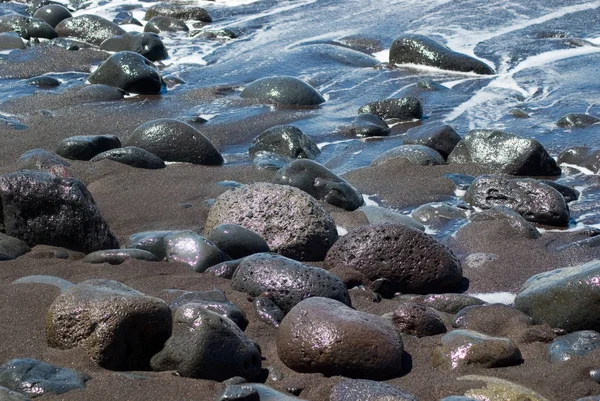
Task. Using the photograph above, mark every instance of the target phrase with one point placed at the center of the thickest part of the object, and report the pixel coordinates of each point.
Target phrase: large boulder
(285, 140)
(292, 222)
(504, 153)
(283, 90)
(119, 328)
(419, 49)
(412, 260)
(64, 214)
(89, 28)
(129, 71)
(321, 335)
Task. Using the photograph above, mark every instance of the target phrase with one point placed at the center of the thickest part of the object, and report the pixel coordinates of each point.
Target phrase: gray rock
(447, 303)
(9, 395)
(321, 335)
(460, 348)
(175, 141)
(441, 138)
(89, 28)
(11, 247)
(570, 194)
(205, 345)
(285, 140)
(535, 201)
(179, 11)
(516, 224)
(413, 261)
(36, 378)
(381, 215)
(65, 214)
(237, 241)
(151, 241)
(118, 256)
(417, 320)
(192, 249)
(147, 44)
(368, 390)
(504, 153)
(575, 120)
(224, 269)
(86, 147)
(283, 90)
(367, 124)
(43, 82)
(286, 281)
(10, 41)
(577, 343)
(567, 298)
(291, 221)
(239, 392)
(318, 181)
(264, 393)
(416, 154)
(26, 27)
(41, 159)
(132, 156)
(406, 108)
(129, 71)
(118, 327)
(268, 311)
(162, 23)
(583, 156)
(419, 49)
(52, 14)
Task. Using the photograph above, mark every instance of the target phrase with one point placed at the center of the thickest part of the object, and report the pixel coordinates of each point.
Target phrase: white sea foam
(369, 201)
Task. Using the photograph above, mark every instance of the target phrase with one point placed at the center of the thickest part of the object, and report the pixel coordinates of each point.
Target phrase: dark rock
(412, 260)
(26, 27)
(517, 224)
(147, 44)
(205, 345)
(583, 156)
(52, 14)
(264, 160)
(366, 125)
(175, 141)
(89, 28)
(504, 153)
(266, 393)
(384, 287)
(577, 121)
(35, 378)
(178, 11)
(460, 348)
(283, 90)
(367, 390)
(570, 194)
(236, 392)
(442, 138)
(321, 335)
(137, 328)
(9, 395)
(11, 247)
(41, 159)
(417, 320)
(151, 241)
(118, 256)
(224, 269)
(285, 140)
(11, 40)
(535, 201)
(577, 343)
(44, 82)
(319, 182)
(86, 147)
(406, 108)
(286, 281)
(215, 34)
(305, 234)
(447, 303)
(381, 215)
(64, 215)
(132, 156)
(419, 49)
(595, 375)
(193, 250)
(268, 311)
(161, 23)
(416, 154)
(237, 241)
(567, 298)
(129, 71)
(214, 301)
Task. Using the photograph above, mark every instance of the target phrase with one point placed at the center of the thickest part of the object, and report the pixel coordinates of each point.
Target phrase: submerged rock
(283, 90)
(129, 71)
(162, 23)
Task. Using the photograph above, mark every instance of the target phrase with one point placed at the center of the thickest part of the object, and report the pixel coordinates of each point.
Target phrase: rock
(132, 156)
(457, 398)
(438, 213)
(26, 27)
(264, 393)
(9, 395)
(419, 49)
(89, 28)
(318, 181)
(368, 390)
(237, 241)
(283, 90)
(567, 298)
(285, 140)
(41, 159)
(447, 303)
(129, 71)
(515, 224)
(11, 40)
(151, 241)
(237, 392)
(224, 269)
(381, 215)
(404, 109)
(576, 343)
(119, 327)
(416, 154)
(53, 14)
(264, 160)
(305, 234)
(175, 141)
(367, 124)
(413, 261)
(193, 250)
(268, 311)
(460, 348)
(417, 320)
(11, 247)
(570, 194)
(321, 335)
(286, 281)
(214, 301)
(86, 147)
(216, 34)
(583, 156)
(147, 44)
(500, 390)
(575, 120)
(65, 213)
(504, 153)
(441, 138)
(43, 82)
(178, 11)
(535, 201)
(205, 345)
(518, 113)
(161, 23)
(118, 256)
(36, 378)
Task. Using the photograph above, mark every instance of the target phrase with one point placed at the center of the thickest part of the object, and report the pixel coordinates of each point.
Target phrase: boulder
(367, 124)
(283, 90)
(441, 138)
(89, 28)
(285, 140)
(26, 27)
(575, 120)
(129, 71)
(404, 109)
(53, 14)
(584, 156)
(147, 44)
(85, 147)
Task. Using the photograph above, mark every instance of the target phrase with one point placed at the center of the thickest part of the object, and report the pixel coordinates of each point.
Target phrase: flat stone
(118, 256)
(500, 390)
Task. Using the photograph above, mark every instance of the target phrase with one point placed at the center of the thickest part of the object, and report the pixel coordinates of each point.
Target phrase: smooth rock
(237, 241)
(283, 90)
(264, 160)
(9, 395)
(438, 213)
(500, 390)
(192, 249)
(151, 241)
(118, 256)
(516, 225)
(441, 138)
(214, 301)
(161, 23)
(367, 124)
(86, 147)
(583, 156)
(381, 215)
(224, 269)
(44, 82)
(41, 159)
(11, 247)
(417, 320)
(576, 343)
(368, 390)
(416, 154)
(570, 194)
(321, 335)
(147, 44)
(89, 28)
(129, 71)
(132, 156)
(10, 41)
(179, 11)
(53, 14)
(575, 120)
(118, 327)
(447, 303)
(404, 109)
(285, 140)
(26, 27)
(268, 311)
